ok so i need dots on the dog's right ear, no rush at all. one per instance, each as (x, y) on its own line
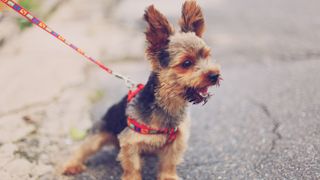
(158, 32)
(192, 19)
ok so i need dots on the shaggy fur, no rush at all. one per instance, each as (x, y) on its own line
(181, 73)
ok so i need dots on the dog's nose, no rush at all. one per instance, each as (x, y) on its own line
(213, 78)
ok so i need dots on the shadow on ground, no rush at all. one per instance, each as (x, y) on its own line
(105, 166)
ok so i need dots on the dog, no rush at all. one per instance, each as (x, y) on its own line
(154, 118)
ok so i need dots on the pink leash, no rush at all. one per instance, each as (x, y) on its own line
(26, 14)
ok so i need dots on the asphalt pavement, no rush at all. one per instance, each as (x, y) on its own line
(262, 123)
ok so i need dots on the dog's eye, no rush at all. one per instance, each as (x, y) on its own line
(187, 63)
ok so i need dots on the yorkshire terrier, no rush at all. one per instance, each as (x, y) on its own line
(154, 118)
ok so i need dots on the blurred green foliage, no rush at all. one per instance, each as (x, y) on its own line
(96, 96)
(77, 134)
(30, 5)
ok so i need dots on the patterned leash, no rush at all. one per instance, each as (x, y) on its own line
(26, 14)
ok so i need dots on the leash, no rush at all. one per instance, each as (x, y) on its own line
(34, 20)
(132, 124)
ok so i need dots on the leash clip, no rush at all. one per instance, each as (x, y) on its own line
(129, 83)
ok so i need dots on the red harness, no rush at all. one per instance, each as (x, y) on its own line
(144, 129)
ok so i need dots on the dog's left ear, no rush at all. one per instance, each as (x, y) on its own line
(192, 19)
(158, 32)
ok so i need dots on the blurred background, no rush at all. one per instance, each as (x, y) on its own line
(262, 123)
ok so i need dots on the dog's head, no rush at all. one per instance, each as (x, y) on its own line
(181, 59)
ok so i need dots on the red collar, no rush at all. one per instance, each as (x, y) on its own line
(144, 129)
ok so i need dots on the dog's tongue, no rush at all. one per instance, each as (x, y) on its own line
(203, 91)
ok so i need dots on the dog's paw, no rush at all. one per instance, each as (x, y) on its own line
(168, 177)
(134, 176)
(73, 168)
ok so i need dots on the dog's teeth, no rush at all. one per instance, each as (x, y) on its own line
(203, 94)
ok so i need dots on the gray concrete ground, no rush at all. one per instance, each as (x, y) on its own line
(262, 123)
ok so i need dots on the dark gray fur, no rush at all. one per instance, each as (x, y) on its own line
(164, 57)
(145, 101)
(146, 104)
(115, 119)
(140, 108)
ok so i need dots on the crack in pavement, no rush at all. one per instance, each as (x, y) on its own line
(275, 130)
(2, 41)
(53, 9)
(302, 56)
(275, 123)
(47, 102)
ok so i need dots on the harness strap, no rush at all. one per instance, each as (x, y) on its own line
(144, 129)
(133, 93)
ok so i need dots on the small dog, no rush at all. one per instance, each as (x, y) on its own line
(154, 119)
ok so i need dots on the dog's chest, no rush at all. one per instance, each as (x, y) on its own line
(146, 142)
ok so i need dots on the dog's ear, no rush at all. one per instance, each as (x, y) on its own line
(192, 19)
(158, 32)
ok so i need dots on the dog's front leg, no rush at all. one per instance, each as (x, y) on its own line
(172, 154)
(129, 157)
(169, 158)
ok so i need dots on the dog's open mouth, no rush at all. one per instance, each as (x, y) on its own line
(198, 95)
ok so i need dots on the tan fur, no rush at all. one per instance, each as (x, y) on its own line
(172, 155)
(192, 19)
(170, 89)
(184, 46)
(132, 144)
(204, 53)
(91, 145)
(129, 157)
(186, 43)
